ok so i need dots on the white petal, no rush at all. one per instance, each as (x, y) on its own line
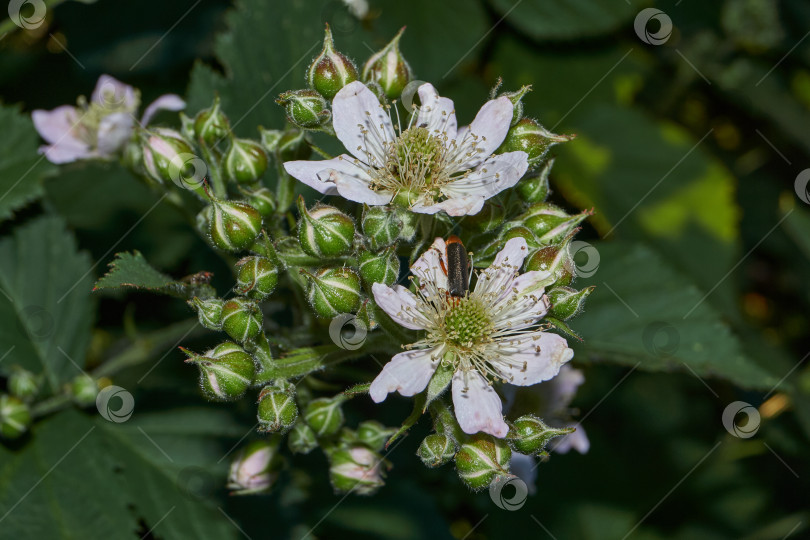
(322, 175)
(354, 187)
(436, 114)
(531, 358)
(166, 102)
(477, 406)
(502, 272)
(428, 267)
(497, 173)
(361, 123)
(577, 440)
(522, 303)
(401, 305)
(457, 206)
(408, 373)
(114, 131)
(111, 93)
(66, 151)
(56, 125)
(486, 132)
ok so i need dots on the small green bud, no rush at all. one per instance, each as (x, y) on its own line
(382, 267)
(83, 390)
(389, 69)
(567, 302)
(241, 319)
(436, 450)
(252, 470)
(331, 70)
(257, 277)
(529, 435)
(202, 221)
(490, 217)
(517, 102)
(293, 145)
(245, 162)
(381, 225)
(209, 311)
(530, 137)
(211, 125)
(554, 259)
(324, 231)
(305, 108)
(270, 139)
(264, 247)
(535, 189)
(277, 410)
(365, 317)
(480, 459)
(15, 417)
(234, 225)
(324, 415)
(301, 439)
(168, 157)
(262, 199)
(550, 223)
(23, 384)
(226, 371)
(332, 291)
(520, 232)
(373, 434)
(356, 469)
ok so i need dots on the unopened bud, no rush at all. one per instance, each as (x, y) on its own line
(381, 225)
(83, 390)
(553, 259)
(535, 189)
(262, 199)
(331, 70)
(324, 231)
(530, 435)
(293, 145)
(520, 232)
(245, 162)
(488, 219)
(530, 137)
(332, 291)
(382, 267)
(567, 302)
(168, 157)
(373, 434)
(252, 470)
(241, 319)
(306, 109)
(226, 371)
(15, 417)
(357, 470)
(550, 223)
(389, 68)
(277, 410)
(436, 450)
(23, 384)
(324, 415)
(517, 102)
(211, 125)
(480, 459)
(209, 312)
(301, 439)
(257, 277)
(234, 225)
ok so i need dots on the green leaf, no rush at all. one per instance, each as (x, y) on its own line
(21, 169)
(644, 313)
(130, 270)
(45, 301)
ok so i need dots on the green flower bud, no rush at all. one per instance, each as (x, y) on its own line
(252, 470)
(517, 102)
(226, 371)
(373, 434)
(277, 410)
(270, 139)
(356, 469)
(389, 69)
(241, 319)
(567, 302)
(209, 311)
(436, 450)
(293, 146)
(550, 223)
(332, 291)
(211, 125)
(490, 217)
(168, 157)
(257, 277)
(530, 137)
(83, 390)
(23, 384)
(15, 417)
(535, 188)
(234, 225)
(325, 415)
(553, 259)
(301, 439)
(529, 435)
(264, 247)
(381, 225)
(305, 108)
(364, 315)
(481, 459)
(324, 231)
(331, 70)
(245, 162)
(520, 232)
(382, 267)
(262, 199)
(202, 221)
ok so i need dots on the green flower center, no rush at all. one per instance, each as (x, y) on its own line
(467, 322)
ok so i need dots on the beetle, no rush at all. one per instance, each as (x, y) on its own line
(458, 267)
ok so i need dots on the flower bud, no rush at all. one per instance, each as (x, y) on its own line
(332, 291)
(535, 189)
(490, 217)
(567, 302)
(252, 470)
(331, 70)
(436, 450)
(270, 139)
(529, 435)
(83, 390)
(530, 137)
(480, 459)
(168, 157)
(277, 410)
(209, 311)
(202, 221)
(15, 417)
(389, 69)
(257, 277)
(262, 199)
(305, 108)
(245, 161)
(324, 231)
(382, 267)
(241, 319)
(226, 371)
(234, 225)
(381, 225)
(554, 259)
(365, 315)
(373, 434)
(211, 125)
(520, 232)
(550, 223)
(23, 384)
(324, 415)
(293, 145)
(517, 102)
(357, 470)
(301, 439)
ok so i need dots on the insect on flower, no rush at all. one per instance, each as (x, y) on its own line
(457, 269)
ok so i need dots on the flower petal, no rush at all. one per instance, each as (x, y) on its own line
(428, 267)
(456, 206)
(401, 305)
(66, 151)
(436, 114)
(477, 406)
(114, 131)
(361, 123)
(486, 132)
(531, 358)
(322, 175)
(56, 125)
(166, 102)
(497, 173)
(112, 94)
(354, 187)
(503, 271)
(408, 373)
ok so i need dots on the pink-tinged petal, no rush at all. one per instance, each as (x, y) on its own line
(401, 305)
(111, 94)
(502, 272)
(486, 132)
(321, 175)
(66, 151)
(354, 187)
(532, 358)
(436, 114)
(114, 131)
(477, 405)
(166, 102)
(497, 173)
(361, 123)
(428, 267)
(56, 125)
(577, 440)
(408, 373)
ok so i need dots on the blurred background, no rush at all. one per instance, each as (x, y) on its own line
(692, 148)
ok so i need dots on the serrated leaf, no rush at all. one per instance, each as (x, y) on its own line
(131, 270)
(45, 302)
